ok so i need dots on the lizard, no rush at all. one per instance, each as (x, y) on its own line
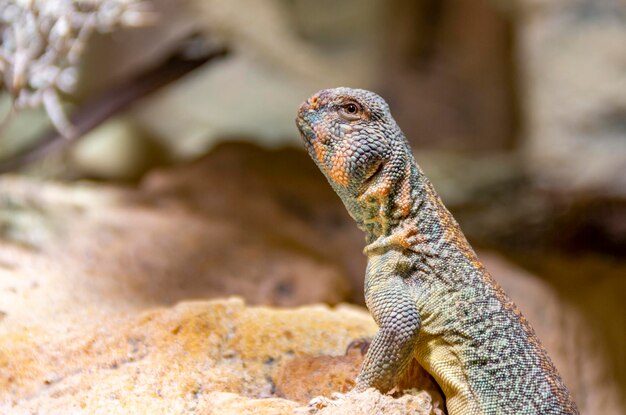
(424, 285)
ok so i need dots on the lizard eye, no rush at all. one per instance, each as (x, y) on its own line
(351, 111)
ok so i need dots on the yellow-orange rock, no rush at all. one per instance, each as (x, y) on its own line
(208, 356)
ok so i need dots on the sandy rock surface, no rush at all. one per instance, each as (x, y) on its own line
(209, 230)
(204, 357)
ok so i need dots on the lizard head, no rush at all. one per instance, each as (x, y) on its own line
(349, 133)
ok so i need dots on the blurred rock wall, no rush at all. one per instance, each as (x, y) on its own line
(572, 55)
(445, 67)
(448, 74)
(542, 76)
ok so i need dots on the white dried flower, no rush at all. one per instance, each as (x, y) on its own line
(41, 42)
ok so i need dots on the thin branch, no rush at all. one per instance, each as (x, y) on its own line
(97, 110)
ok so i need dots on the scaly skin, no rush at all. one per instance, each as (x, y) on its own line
(425, 287)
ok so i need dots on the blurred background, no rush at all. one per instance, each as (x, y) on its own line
(149, 155)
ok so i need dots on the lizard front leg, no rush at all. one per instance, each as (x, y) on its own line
(393, 308)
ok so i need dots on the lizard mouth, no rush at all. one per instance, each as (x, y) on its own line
(305, 130)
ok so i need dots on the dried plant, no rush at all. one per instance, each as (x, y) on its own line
(42, 42)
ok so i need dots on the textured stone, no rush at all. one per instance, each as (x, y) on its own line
(318, 375)
(572, 64)
(326, 375)
(209, 357)
(372, 402)
(447, 73)
(77, 251)
(115, 150)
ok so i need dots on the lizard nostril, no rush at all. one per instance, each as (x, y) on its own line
(314, 101)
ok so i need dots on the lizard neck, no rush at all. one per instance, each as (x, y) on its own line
(406, 201)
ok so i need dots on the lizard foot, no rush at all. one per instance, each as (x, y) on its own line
(409, 236)
(406, 236)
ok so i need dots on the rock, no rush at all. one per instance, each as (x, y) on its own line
(325, 375)
(21, 131)
(210, 230)
(135, 50)
(208, 357)
(281, 53)
(192, 115)
(572, 60)
(319, 375)
(116, 150)
(447, 73)
(372, 402)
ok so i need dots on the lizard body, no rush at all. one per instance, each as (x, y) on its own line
(425, 287)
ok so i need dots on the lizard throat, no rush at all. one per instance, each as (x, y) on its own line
(406, 214)
(386, 203)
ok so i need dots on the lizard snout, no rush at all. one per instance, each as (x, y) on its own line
(310, 105)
